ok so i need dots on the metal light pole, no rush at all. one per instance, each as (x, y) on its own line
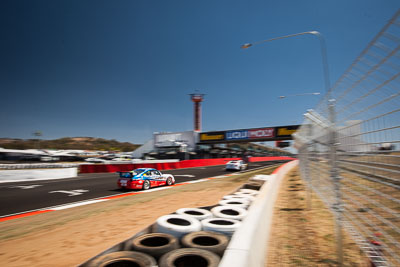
(332, 130)
(285, 96)
(323, 51)
(37, 134)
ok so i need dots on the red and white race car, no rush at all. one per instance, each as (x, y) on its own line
(144, 178)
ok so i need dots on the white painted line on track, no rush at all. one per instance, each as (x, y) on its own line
(197, 181)
(26, 186)
(154, 189)
(78, 204)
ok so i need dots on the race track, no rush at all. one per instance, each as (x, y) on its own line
(20, 197)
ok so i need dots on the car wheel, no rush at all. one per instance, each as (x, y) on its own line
(169, 181)
(146, 185)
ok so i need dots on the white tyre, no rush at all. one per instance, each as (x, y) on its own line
(249, 198)
(221, 225)
(229, 212)
(247, 190)
(238, 202)
(199, 214)
(239, 193)
(177, 225)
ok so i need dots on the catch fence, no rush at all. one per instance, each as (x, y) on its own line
(349, 149)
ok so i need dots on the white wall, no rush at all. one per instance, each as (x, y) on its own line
(249, 244)
(36, 174)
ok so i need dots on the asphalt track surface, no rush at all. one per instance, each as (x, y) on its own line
(19, 197)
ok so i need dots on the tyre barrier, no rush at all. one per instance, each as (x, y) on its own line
(177, 225)
(229, 212)
(238, 202)
(199, 214)
(124, 258)
(249, 191)
(246, 245)
(252, 185)
(155, 244)
(211, 241)
(250, 198)
(240, 193)
(190, 257)
(221, 225)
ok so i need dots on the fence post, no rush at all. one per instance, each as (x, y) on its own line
(336, 181)
(308, 148)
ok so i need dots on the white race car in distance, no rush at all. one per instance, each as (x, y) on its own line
(236, 165)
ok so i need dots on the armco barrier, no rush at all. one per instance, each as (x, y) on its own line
(99, 168)
(248, 246)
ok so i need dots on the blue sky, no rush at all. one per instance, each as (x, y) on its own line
(123, 69)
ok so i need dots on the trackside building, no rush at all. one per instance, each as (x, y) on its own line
(214, 144)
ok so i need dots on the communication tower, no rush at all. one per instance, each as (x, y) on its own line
(197, 99)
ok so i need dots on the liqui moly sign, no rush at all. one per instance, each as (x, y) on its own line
(262, 133)
(237, 135)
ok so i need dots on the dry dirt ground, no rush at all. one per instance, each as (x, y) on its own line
(305, 237)
(70, 237)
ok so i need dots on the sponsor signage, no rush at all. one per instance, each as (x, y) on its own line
(286, 131)
(262, 133)
(237, 135)
(250, 135)
(174, 139)
(212, 136)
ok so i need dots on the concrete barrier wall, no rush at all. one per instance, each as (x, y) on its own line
(248, 246)
(101, 168)
(257, 159)
(35, 174)
(37, 166)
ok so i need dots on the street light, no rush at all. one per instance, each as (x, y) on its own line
(333, 139)
(323, 51)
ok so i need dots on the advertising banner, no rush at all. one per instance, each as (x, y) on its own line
(237, 135)
(286, 131)
(212, 136)
(262, 133)
(249, 135)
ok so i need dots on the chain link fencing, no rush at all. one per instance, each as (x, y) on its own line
(349, 149)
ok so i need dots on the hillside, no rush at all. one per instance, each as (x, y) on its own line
(81, 143)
